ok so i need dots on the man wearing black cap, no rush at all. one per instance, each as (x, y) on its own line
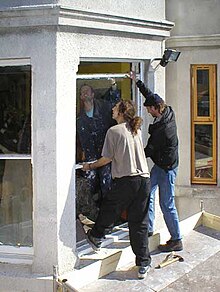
(162, 148)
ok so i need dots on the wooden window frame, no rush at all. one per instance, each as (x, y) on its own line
(205, 120)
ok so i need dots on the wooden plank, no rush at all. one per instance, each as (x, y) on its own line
(100, 255)
(83, 276)
(109, 264)
(154, 241)
(211, 221)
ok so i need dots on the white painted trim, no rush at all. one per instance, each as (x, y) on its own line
(194, 41)
(69, 12)
(16, 250)
(15, 156)
(47, 15)
(30, 7)
(100, 76)
(15, 62)
(74, 16)
(16, 255)
(110, 60)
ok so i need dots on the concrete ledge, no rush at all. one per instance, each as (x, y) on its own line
(22, 283)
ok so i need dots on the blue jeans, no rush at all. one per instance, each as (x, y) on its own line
(165, 180)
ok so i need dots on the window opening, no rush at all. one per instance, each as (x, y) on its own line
(204, 137)
(15, 156)
(105, 84)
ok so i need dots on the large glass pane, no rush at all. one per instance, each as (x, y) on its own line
(96, 96)
(203, 151)
(16, 202)
(95, 99)
(16, 173)
(203, 99)
(15, 109)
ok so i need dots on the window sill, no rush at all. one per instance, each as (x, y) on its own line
(16, 255)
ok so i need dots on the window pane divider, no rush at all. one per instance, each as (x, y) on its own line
(15, 156)
(101, 76)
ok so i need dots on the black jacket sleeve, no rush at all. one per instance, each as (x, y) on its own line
(143, 89)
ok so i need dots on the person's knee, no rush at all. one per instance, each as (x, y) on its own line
(167, 206)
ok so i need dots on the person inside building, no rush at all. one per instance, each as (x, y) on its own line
(112, 95)
(94, 120)
(162, 148)
(123, 147)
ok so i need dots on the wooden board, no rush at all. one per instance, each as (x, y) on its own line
(211, 221)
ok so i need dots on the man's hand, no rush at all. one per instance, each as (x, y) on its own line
(113, 83)
(132, 75)
(85, 167)
(112, 80)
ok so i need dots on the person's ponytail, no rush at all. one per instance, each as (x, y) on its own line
(127, 108)
(135, 124)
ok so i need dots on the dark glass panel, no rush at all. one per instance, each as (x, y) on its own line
(16, 202)
(203, 151)
(203, 97)
(15, 109)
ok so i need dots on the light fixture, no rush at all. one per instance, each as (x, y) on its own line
(168, 56)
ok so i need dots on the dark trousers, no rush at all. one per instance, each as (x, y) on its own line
(130, 193)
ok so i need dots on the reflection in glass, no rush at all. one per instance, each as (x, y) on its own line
(15, 109)
(92, 126)
(16, 203)
(15, 174)
(203, 151)
(203, 100)
(95, 99)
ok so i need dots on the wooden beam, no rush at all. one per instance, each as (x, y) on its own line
(211, 221)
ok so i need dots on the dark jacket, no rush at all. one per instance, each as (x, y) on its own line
(91, 131)
(162, 146)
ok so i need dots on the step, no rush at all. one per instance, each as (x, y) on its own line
(116, 256)
(201, 249)
(115, 253)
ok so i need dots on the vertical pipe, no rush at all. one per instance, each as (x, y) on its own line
(55, 278)
(201, 205)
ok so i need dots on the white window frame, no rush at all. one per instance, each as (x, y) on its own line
(16, 254)
(136, 93)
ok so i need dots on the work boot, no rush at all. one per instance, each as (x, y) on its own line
(95, 242)
(142, 272)
(171, 245)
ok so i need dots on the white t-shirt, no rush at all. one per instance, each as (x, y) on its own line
(126, 152)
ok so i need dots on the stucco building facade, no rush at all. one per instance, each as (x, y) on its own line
(43, 48)
(48, 49)
(196, 35)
